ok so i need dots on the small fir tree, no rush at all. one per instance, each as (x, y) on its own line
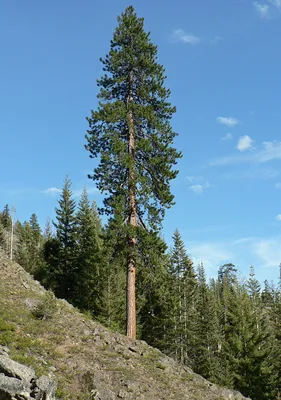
(64, 267)
(88, 288)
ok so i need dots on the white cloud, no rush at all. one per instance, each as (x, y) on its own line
(179, 35)
(194, 178)
(260, 252)
(268, 8)
(267, 152)
(211, 254)
(277, 185)
(245, 143)
(272, 151)
(262, 9)
(52, 191)
(198, 189)
(276, 3)
(278, 217)
(227, 136)
(76, 193)
(228, 121)
(268, 251)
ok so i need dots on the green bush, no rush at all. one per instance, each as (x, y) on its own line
(47, 308)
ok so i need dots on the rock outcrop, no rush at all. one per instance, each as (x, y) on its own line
(18, 382)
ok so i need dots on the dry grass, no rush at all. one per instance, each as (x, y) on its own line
(81, 354)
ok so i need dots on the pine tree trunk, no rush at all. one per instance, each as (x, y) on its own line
(131, 267)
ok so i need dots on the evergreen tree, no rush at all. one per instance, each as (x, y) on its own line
(48, 232)
(152, 290)
(225, 295)
(253, 285)
(275, 318)
(248, 345)
(267, 296)
(35, 228)
(88, 287)
(98, 224)
(2, 237)
(227, 274)
(5, 229)
(132, 135)
(53, 273)
(63, 261)
(113, 274)
(36, 243)
(23, 254)
(6, 219)
(208, 339)
(29, 248)
(183, 299)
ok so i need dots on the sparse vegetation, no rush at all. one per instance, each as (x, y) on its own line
(47, 307)
(55, 346)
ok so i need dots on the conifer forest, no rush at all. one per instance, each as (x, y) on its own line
(118, 268)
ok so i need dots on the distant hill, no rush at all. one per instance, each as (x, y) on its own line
(87, 360)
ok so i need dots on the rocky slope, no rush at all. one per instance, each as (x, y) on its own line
(20, 382)
(87, 360)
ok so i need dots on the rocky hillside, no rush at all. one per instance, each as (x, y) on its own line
(87, 360)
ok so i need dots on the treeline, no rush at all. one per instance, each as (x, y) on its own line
(227, 330)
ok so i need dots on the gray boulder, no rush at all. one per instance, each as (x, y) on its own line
(9, 387)
(18, 382)
(15, 370)
(47, 388)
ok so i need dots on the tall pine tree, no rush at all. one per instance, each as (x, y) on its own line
(131, 133)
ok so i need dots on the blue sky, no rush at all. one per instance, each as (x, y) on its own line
(223, 65)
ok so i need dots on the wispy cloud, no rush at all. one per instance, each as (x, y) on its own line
(268, 9)
(261, 252)
(245, 143)
(268, 251)
(262, 9)
(228, 121)
(211, 254)
(278, 217)
(52, 191)
(276, 3)
(277, 185)
(194, 178)
(179, 35)
(267, 152)
(227, 136)
(198, 188)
